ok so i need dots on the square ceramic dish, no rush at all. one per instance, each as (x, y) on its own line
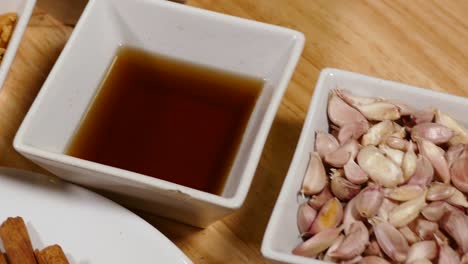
(174, 30)
(23, 8)
(281, 235)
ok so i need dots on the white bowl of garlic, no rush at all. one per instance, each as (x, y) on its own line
(380, 175)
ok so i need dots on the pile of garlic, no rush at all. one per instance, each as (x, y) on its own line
(387, 184)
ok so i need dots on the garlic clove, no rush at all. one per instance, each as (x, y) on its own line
(446, 254)
(439, 191)
(379, 111)
(436, 133)
(422, 116)
(420, 261)
(343, 154)
(422, 250)
(354, 260)
(408, 165)
(398, 131)
(406, 212)
(354, 173)
(333, 248)
(394, 155)
(329, 216)
(318, 243)
(377, 133)
(317, 201)
(459, 173)
(426, 229)
(305, 217)
(352, 131)
(369, 201)
(356, 100)
(343, 189)
(396, 143)
(455, 223)
(373, 249)
(435, 210)
(464, 259)
(325, 143)
(458, 199)
(385, 209)
(350, 215)
(436, 156)
(340, 113)
(391, 241)
(424, 172)
(460, 132)
(379, 168)
(373, 260)
(453, 153)
(315, 177)
(355, 242)
(404, 193)
(409, 234)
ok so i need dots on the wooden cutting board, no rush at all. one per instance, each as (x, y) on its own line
(419, 42)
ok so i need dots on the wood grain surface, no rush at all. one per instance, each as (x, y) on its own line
(418, 42)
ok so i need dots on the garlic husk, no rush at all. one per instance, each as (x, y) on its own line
(354, 173)
(404, 193)
(385, 209)
(455, 223)
(453, 153)
(406, 212)
(422, 250)
(460, 132)
(340, 113)
(325, 143)
(305, 217)
(394, 155)
(379, 168)
(340, 157)
(424, 172)
(408, 165)
(377, 133)
(329, 216)
(369, 201)
(343, 189)
(373, 260)
(318, 243)
(317, 201)
(355, 242)
(458, 199)
(352, 131)
(459, 173)
(426, 229)
(391, 241)
(436, 156)
(315, 178)
(446, 254)
(439, 191)
(436, 133)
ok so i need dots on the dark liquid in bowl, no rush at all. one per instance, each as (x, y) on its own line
(167, 119)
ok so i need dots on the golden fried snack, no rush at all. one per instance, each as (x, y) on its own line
(2, 258)
(16, 241)
(51, 255)
(7, 25)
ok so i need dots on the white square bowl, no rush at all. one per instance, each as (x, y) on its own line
(194, 35)
(24, 9)
(281, 235)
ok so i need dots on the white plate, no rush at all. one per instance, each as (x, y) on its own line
(90, 228)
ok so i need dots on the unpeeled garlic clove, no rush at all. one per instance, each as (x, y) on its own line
(379, 111)
(315, 178)
(397, 143)
(436, 133)
(394, 155)
(352, 131)
(391, 241)
(373, 249)
(305, 217)
(377, 133)
(406, 212)
(439, 191)
(458, 199)
(446, 254)
(435, 210)
(379, 168)
(437, 158)
(354, 173)
(350, 215)
(356, 100)
(317, 201)
(385, 209)
(455, 223)
(424, 172)
(325, 143)
(340, 157)
(354, 243)
(333, 248)
(422, 250)
(343, 189)
(373, 260)
(408, 165)
(369, 201)
(459, 173)
(404, 193)
(409, 234)
(340, 113)
(460, 132)
(426, 229)
(318, 243)
(453, 153)
(422, 116)
(329, 216)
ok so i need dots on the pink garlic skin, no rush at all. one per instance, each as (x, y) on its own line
(464, 259)
(354, 173)
(373, 249)
(397, 143)
(385, 209)
(340, 113)
(333, 248)
(422, 250)
(317, 201)
(446, 254)
(455, 223)
(329, 216)
(426, 229)
(305, 217)
(453, 153)
(318, 243)
(391, 241)
(355, 242)
(439, 191)
(404, 192)
(340, 157)
(436, 210)
(459, 173)
(325, 143)
(422, 116)
(350, 215)
(343, 189)
(410, 236)
(369, 201)
(373, 260)
(352, 131)
(433, 132)
(424, 172)
(315, 178)
(436, 156)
